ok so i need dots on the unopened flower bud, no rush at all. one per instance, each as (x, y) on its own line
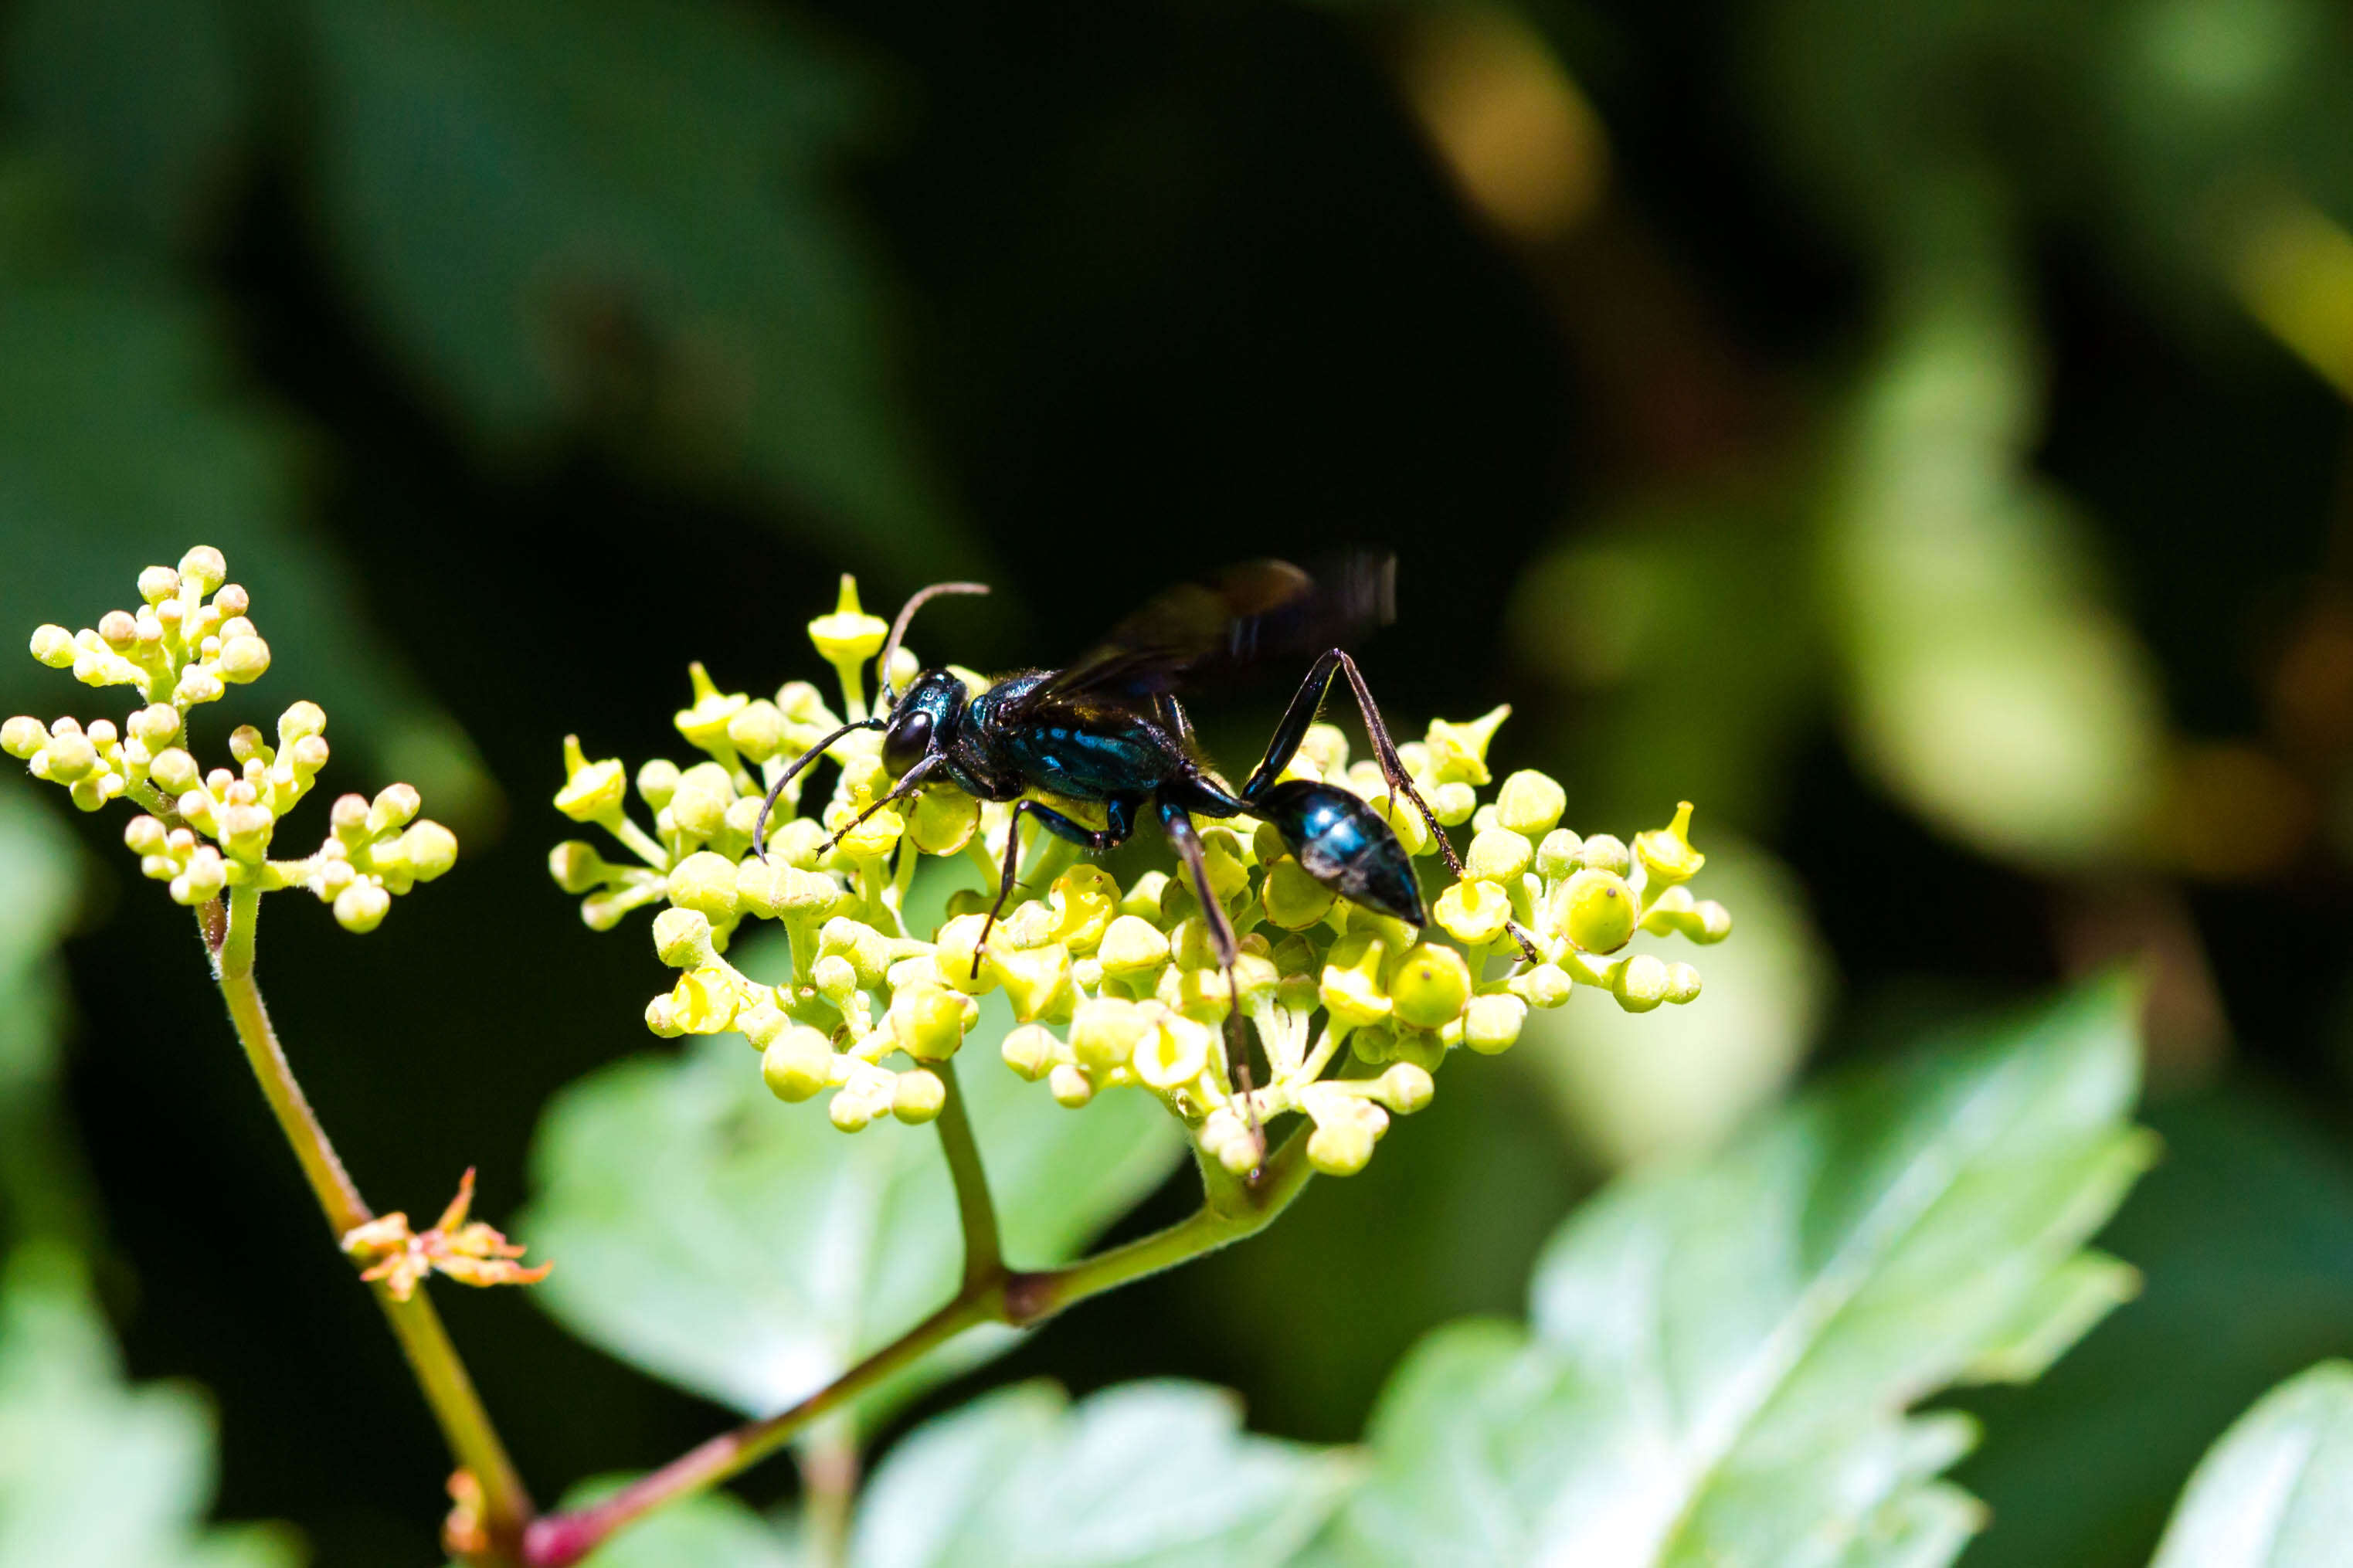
(705, 723)
(1545, 986)
(1431, 986)
(591, 790)
(71, 757)
(244, 659)
(1406, 1088)
(796, 1064)
(144, 836)
(157, 583)
(53, 646)
(1603, 852)
(118, 630)
(1641, 982)
(1499, 855)
(22, 736)
(918, 1096)
(757, 732)
(657, 782)
(1070, 1085)
(1131, 945)
(1037, 980)
(1294, 900)
(942, 821)
(1597, 908)
(430, 849)
(362, 907)
(699, 805)
(204, 567)
(706, 882)
(683, 938)
(1029, 1050)
(928, 1022)
(1104, 1032)
(174, 772)
(1351, 983)
(1683, 983)
(1492, 1022)
(1341, 1148)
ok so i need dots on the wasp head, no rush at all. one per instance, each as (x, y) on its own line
(924, 722)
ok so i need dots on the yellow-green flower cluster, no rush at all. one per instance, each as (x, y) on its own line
(206, 831)
(1110, 986)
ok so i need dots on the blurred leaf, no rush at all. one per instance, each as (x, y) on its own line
(1152, 1475)
(2244, 1236)
(1990, 686)
(2277, 1490)
(123, 443)
(616, 212)
(1723, 1353)
(749, 1251)
(40, 1190)
(1683, 1077)
(1691, 621)
(145, 100)
(94, 1474)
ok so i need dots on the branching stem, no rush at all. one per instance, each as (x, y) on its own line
(1232, 1207)
(440, 1375)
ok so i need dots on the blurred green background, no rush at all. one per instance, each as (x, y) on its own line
(1916, 432)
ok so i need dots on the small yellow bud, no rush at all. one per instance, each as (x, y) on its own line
(1294, 900)
(70, 757)
(1070, 1085)
(868, 949)
(706, 882)
(927, 1019)
(796, 1064)
(430, 848)
(761, 1021)
(157, 583)
(1597, 908)
(1641, 982)
(698, 806)
(205, 567)
(1666, 853)
(1546, 986)
(360, 907)
(1499, 855)
(683, 938)
(1559, 855)
(1029, 1050)
(1104, 1032)
(657, 782)
(1131, 945)
(757, 732)
(1412, 832)
(22, 736)
(1531, 802)
(244, 659)
(174, 772)
(1431, 986)
(1473, 913)
(918, 1097)
(1492, 1022)
(1406, 1088)
(943, 820)
(1683, 983)
(1605, 852)
(956, 942)
(53, 646)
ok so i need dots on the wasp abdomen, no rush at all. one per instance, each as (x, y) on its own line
(1344, 844)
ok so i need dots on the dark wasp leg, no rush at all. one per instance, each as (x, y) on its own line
(1293, 729)
(1119, 821)
(1177, 823)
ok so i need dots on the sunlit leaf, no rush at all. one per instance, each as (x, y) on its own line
(1676, 1079)
(1724, 1354)
(1143, 1475)
(2277, 1490)
(95, 1474)
(1989, 685)
(746, 1249)
(613, 213)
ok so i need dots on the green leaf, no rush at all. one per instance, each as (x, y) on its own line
(94, 1474)
(1143, 1475)
(614, 212)
(2277, 1490)
(41, 1188)
(747, 1250)
(1723, 1354)
(1991, 686)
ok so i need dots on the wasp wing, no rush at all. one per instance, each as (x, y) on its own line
(1245, 616)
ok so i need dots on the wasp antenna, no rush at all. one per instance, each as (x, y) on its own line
(917, 601)
(768, 804)
(909, 783)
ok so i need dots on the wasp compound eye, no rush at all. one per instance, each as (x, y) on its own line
(907, 741)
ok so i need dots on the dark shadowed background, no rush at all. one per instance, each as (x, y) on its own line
(1915, 432)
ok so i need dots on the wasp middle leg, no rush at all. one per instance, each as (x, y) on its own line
(1119, 821)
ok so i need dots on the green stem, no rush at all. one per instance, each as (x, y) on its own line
(827, 1455)
(984, 1253)
(1232, 1207)
(441, 1376)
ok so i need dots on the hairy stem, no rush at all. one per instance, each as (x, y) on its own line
(1232, 1207)
(440, 1375)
